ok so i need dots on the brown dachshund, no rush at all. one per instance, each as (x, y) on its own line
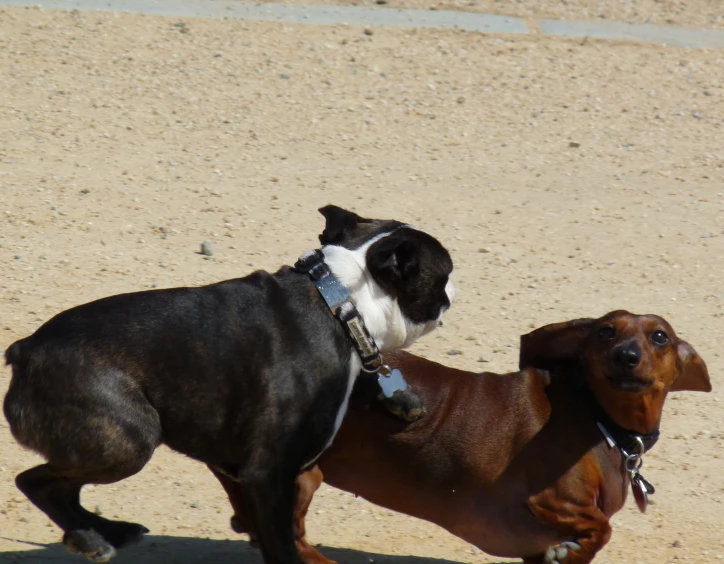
(530, 464)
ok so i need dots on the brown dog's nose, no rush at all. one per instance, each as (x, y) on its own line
(628, 355)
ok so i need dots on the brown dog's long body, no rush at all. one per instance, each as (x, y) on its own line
(516, 463)
(488, 443)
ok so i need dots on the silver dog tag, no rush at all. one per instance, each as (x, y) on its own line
(640, 491)
(392, 383)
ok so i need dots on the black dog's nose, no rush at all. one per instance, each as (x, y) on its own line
(628, 355)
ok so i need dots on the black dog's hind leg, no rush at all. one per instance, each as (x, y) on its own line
(119, 448)
(58, 495)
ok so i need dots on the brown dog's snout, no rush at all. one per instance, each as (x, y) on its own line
(627, 355)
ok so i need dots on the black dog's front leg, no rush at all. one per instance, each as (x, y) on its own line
(270, 503)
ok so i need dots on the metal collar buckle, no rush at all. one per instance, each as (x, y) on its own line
(339, 301)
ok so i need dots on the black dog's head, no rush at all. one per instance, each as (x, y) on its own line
(411, 271)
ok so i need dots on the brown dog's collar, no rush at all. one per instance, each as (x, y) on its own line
(615, 434)
(626, 439)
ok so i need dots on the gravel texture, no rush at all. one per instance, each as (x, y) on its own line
(567, 177)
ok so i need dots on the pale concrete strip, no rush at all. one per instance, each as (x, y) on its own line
(294, 13)
(668, 35)
(373, 17)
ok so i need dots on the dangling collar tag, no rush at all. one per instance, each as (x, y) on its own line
(633, 461)
(339, 300)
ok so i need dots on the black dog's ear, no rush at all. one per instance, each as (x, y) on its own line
(554, 345)
(393, 259)
(693, 375)
(339, 221)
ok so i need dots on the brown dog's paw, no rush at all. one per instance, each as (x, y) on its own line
(90, 544)
(557, 554)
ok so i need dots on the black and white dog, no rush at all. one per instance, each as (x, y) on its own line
(250, 376)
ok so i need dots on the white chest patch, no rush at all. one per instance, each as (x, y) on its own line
(380, 312)
(354, 369)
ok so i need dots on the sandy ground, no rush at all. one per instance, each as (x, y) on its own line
(689, 13)
(568, 178)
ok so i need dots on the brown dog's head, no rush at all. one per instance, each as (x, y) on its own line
(630, 363)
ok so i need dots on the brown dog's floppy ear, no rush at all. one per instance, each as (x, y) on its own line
(693, 375)
(554, 345)
(338, 222)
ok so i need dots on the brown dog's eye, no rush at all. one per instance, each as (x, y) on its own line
(659, 338)
(606, 333)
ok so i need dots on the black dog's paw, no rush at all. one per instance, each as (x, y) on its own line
(405, 404)
(236, 525)
(121, 534)
(90, 544)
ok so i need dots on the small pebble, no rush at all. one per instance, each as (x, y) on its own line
(574, 145)
(207, 249)
(368, 31)
(454, 352)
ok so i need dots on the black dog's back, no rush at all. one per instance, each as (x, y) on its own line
(185, 355)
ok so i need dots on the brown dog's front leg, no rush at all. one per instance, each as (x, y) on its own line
(307, 484)
(583, 524)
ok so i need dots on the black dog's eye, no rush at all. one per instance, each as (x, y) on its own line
(606, 333)
(659, 338)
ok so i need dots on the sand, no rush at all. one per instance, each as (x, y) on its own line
(568, 178)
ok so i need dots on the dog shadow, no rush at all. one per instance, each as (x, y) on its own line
(183, 550)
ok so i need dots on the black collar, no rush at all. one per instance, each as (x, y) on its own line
(340, 303)
(625, 439)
